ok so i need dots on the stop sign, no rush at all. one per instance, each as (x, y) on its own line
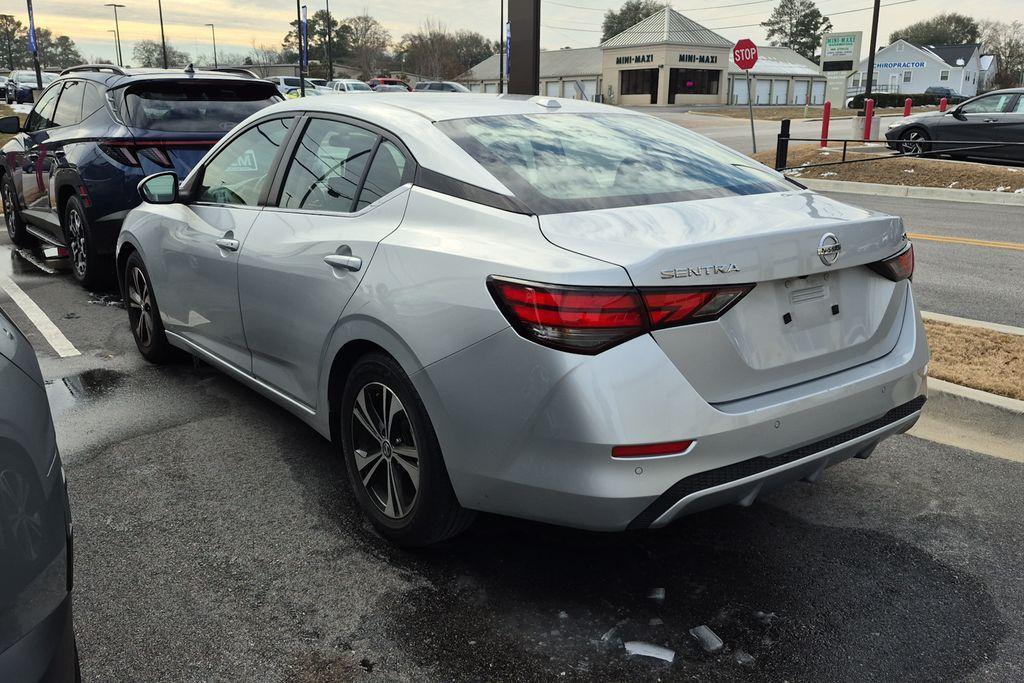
(745, 54)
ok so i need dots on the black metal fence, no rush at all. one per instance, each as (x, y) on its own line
(903, 148)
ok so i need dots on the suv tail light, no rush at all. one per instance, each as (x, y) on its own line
(127, 152)
(898, 267)
(592, 319)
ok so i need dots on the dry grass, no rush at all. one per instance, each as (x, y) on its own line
(977, 358)
(900, 171)
(764, 113)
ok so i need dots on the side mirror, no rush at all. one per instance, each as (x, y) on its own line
(159, 188)
(959, 115)
(10, 125)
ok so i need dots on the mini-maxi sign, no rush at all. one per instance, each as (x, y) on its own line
(745, 54)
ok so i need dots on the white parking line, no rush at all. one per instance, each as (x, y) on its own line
(54, 337)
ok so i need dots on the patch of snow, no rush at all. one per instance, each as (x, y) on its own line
(909, 170)
(707, 638)
(1001, 188)
(954, 183)
(1019, 190)
(828, 174)
(21, 108)
(656, 622)
(638, 647)
(743, 659)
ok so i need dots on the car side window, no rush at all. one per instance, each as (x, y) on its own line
(327, 167)
(69, 106)
(41, 117)
(240, 171)
(993, 104)
(386, 173)
(1019, 109)
(92, 99)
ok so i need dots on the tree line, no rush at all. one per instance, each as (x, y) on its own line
(56, 52)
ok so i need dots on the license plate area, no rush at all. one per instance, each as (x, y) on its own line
(809, 302)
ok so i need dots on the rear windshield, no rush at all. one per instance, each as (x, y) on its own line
(559, 162)
(358, 86)
(196, 106)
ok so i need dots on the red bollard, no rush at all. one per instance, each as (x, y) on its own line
(943, 103)
(907, 104)
(869, 112)
(826, 114)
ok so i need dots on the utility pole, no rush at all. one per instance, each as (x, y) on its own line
(117, 31)
(32, 46)
(871, 50)
(524, 76)
(214, 31)
(330, 30)
(501, 47)
(163, 41)
(298, 34)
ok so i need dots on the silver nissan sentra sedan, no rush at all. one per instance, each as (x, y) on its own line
(544, 308)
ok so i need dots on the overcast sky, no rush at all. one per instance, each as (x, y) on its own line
(241, 22)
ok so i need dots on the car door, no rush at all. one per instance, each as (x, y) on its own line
(32, 173)
(345, 189)
(976, 123)
(199, 250)
(1010, 128)
(66, 117)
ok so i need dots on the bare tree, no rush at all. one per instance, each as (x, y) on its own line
(1006, 41)
(369, 41)
(262, 57)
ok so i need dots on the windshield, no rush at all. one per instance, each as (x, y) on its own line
(576, 162)
(358, 86)
(196, 106)
(30, 77)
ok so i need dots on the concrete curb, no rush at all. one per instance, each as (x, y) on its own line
(914, 192)
(973, 419)
(967, 322)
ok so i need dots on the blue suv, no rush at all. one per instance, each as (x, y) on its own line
(69, 175)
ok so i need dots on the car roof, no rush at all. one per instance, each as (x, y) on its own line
(113, 79)
(412, 119)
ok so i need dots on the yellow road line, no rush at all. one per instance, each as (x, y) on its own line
(966, 240)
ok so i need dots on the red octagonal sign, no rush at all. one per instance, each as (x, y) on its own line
(745, 54)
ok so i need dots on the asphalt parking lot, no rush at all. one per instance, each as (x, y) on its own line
(216, 539)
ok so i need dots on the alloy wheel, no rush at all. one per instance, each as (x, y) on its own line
(386, 457)
(76, 243)
(9, 209)
(140, 307)
(25, 525)
(914, 142)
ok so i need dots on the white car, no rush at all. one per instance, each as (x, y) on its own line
(287, 84)
(344, 85)
(551, 309)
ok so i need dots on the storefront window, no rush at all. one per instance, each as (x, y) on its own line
(639, 82)
(695, 81)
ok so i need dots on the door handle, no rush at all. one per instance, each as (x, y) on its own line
(989, 120)
(228, 244)
(352, 263)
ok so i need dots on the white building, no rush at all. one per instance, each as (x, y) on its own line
(666, 59)
(910, 69)
(989, 69)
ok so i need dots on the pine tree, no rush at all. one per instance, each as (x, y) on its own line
(797, 24)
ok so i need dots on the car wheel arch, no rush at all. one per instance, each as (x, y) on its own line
(341, 367)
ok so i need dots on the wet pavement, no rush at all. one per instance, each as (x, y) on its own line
(216, 538)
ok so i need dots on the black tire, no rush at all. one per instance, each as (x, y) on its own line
(406, 514)
(16, 229)
(915, 141)
(144, 313)
(90, 269)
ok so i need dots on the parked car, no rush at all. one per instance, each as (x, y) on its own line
(37, 640)
(974, 128)
(440, 86)
(348, 85)
(557, 311)
(19, 86)
(952, 96)
(382, 80)
(100, 129)
(390, 88)
(286, 83)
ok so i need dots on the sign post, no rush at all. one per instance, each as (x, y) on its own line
(744, 54)
(33, 47)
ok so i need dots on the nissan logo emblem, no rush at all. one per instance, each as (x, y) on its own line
(829, 248)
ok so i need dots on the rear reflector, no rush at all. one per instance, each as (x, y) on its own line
(898, 267)
(650, 449)
(592, 319)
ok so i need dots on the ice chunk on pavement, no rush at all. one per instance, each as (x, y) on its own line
(657, 594)
(656, 622)
(765, 618)
(638, 647)
(707, 638)
(563, 615)
(743, 659)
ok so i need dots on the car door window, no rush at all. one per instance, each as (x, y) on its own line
(992, 104)
(1019, 109)
(92, 99)
(386, 173)
(327, 167)
(239, 173)
(69, 105)
(41, 117)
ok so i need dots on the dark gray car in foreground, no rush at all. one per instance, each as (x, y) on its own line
(972, 129)
(37, 641)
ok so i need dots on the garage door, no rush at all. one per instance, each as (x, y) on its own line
(818, 92)
(474, 87)
(491, 87)
(739, 91)
(780, 93)
(553, 89)
(800, 91)
(590, 88)
(763, 92)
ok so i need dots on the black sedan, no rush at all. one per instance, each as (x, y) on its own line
(975, 128)
(20, 84)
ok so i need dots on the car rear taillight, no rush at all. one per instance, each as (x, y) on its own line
(592, 319)
(898, 267)
(127, 152)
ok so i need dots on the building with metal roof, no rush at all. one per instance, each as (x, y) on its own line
(666, 59)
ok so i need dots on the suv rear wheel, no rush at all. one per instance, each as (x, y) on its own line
(16, 229)
(86, 264)
(393, 458)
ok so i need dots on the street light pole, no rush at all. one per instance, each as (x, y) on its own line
(163, 41)
(117, 32)
(501, 47)
(214, 31)
(330, 61)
